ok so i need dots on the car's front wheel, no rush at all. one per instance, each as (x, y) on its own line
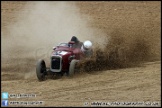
(41, 70)
(72, 67)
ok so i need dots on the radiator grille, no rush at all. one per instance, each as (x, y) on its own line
(55, 63)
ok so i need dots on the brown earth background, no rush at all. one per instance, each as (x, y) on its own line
(130, 30)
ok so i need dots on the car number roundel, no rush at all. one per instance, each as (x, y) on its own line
(62, 52)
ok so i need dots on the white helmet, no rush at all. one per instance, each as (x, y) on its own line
(86, 45)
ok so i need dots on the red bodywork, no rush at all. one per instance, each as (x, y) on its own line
(65, 52)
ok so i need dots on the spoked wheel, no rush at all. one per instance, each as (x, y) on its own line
(41, 70)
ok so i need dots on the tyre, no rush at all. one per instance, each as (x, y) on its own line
(72, 68)
(41, 70)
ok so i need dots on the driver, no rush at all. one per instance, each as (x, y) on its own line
(77, 44)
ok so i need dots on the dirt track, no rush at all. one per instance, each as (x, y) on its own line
(124, 85)
(131, 84)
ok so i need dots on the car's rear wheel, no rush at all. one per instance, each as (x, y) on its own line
(72, 67)
(41, 70)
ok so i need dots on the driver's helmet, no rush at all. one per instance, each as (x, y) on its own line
(87, 45)
(75, 39)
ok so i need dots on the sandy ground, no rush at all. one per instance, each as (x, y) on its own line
(112, 87)
(139, 84)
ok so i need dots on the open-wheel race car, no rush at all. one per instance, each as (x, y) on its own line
(63, 59)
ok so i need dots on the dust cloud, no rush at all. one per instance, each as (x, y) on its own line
(129, 46)
(37, 30)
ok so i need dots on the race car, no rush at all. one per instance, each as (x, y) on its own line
(64, 58)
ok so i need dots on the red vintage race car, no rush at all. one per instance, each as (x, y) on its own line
(63, 59)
